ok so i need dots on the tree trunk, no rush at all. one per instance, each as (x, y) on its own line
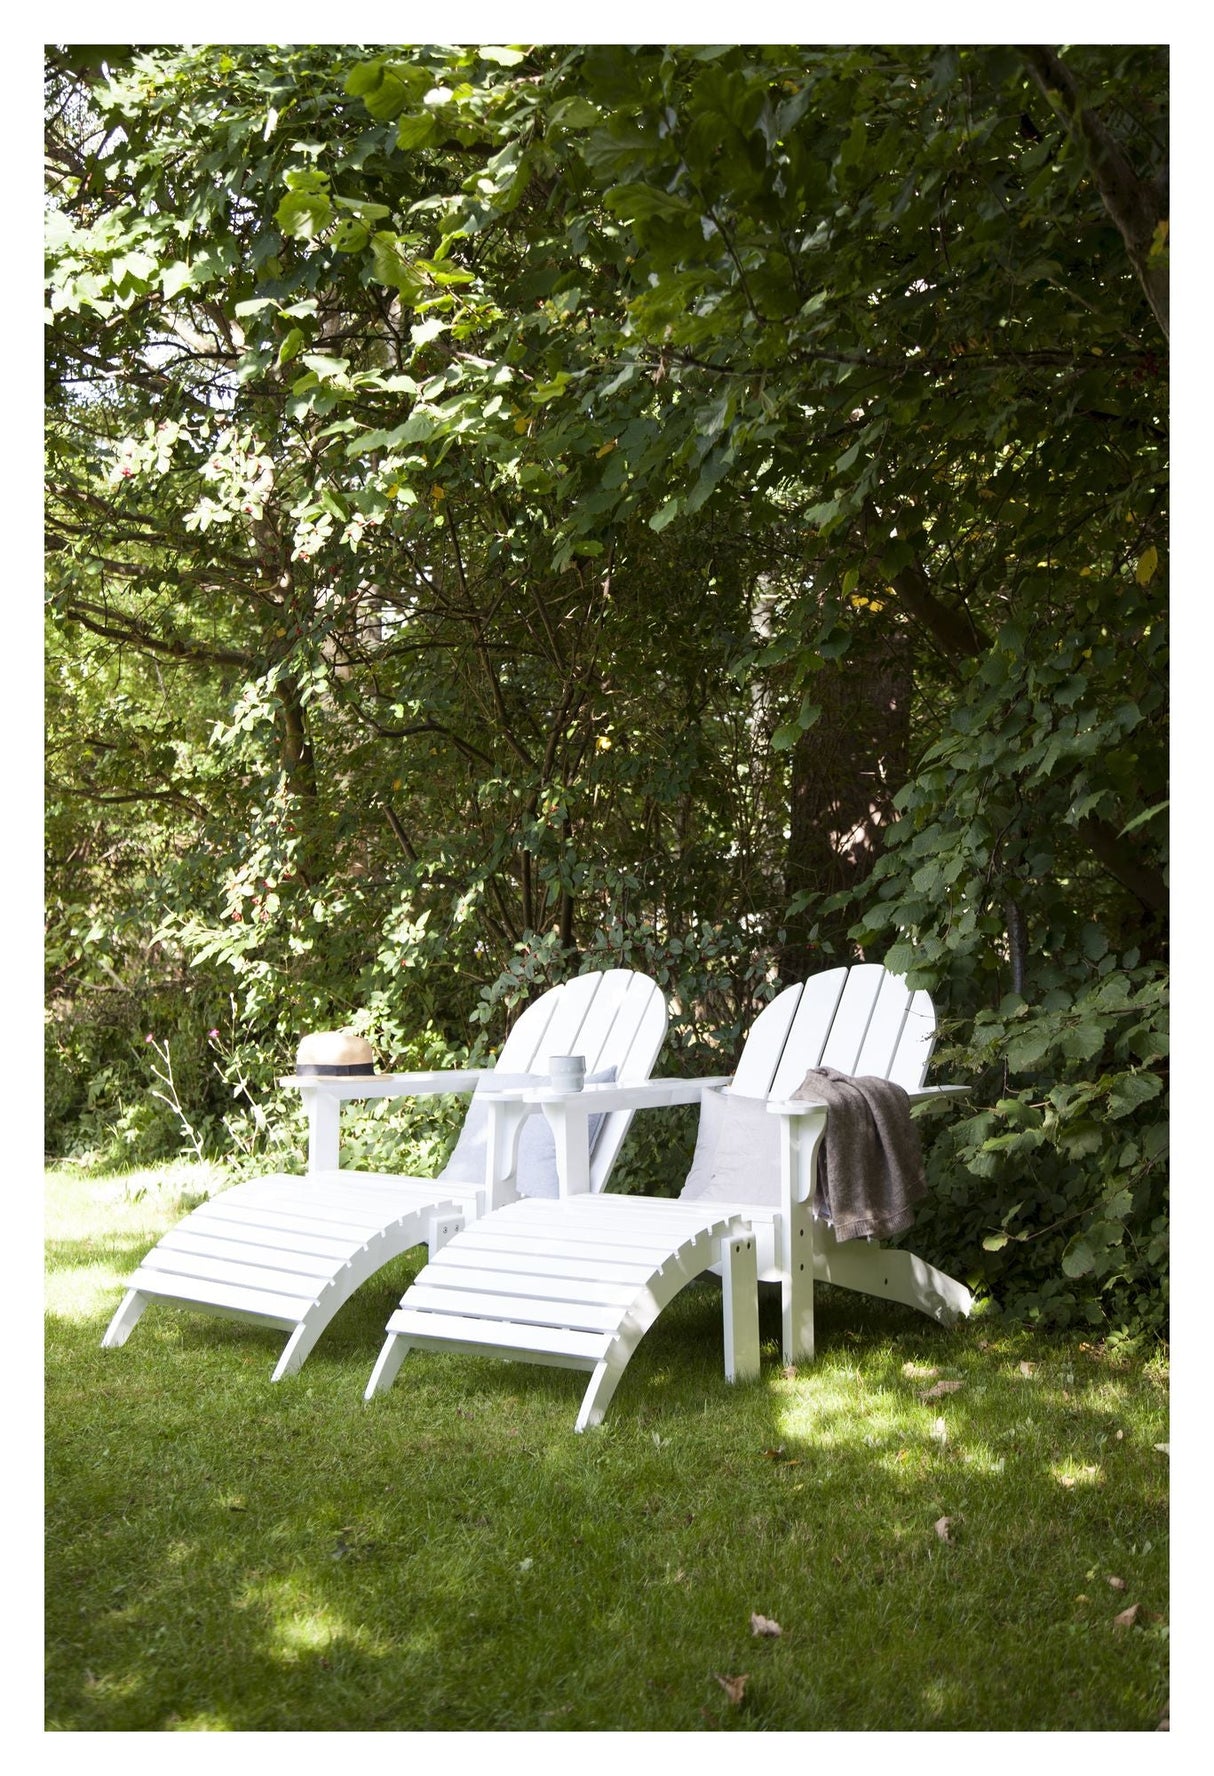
(845, 771)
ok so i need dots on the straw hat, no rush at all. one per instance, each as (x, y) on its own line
(333, 1054)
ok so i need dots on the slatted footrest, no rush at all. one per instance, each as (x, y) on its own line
(575, 1283)
(286, 1251)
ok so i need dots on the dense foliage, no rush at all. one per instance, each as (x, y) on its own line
(514, 510)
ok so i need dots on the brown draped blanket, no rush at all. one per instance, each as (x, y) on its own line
(870, 1164)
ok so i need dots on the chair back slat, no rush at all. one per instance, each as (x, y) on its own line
(885, 1028)
(765, 1044)
(609, 1021)
(853, 1016)
(909, 1065)
(528, 1035)
(573, 1001)
(810, 1030)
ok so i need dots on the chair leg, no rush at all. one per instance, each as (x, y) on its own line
(300, 1343)
(603, 1383)
(390, 1358)
(121, 1326)
(740, 1306)
(893, 1275)
(797, 1290)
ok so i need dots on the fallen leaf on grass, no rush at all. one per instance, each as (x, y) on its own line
(776, 1454)
(1128, 1617)
(940, 1388)
(940, 1431)
(734, 1687)
(919, 1371)
(1028, 1368)
(1116, 1583)
(942, 1527)
(764, 1625)
(1163, 1448)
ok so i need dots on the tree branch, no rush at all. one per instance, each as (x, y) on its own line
(1137, 206)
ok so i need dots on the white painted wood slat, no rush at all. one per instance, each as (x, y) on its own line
(184, 1244)
(855, 1010)
(809, 1030)
(162, 1262)
(560, 1244)
(273, 1235)
(274, 1306)
(569, 1349)
(582, 1316)
(918, 1039)
(540, 1262)
(885, 1027)
(505, 1282)
(765, 1044)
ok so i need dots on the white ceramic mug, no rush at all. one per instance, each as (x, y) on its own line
(567, 1071)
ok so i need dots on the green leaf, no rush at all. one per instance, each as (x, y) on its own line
(425, 331)
(637, 203)
(1141, 819)
(392, 264)
(416, 131)
(302, 214)
(360, 207)
(176, 277)
(1131, 1091)
(291, 346)
(350, 235)
(1078, 1259)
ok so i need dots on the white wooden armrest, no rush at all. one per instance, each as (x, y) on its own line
(390, 1085)
(324, 1097)
(925, 1095)
(646, 1094)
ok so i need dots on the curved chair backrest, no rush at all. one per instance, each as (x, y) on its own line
(860, 1020)
(616, 1018)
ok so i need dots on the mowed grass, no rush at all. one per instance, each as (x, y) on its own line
(945, 1525)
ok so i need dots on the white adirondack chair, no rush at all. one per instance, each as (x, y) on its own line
(287, 1251)
(578, 1281)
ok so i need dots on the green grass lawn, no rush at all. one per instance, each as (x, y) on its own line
(945, 1525)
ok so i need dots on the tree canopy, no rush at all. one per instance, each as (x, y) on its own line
(517, 508)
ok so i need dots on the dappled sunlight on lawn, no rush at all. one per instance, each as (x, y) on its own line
(297, 1627)
(86, 1292)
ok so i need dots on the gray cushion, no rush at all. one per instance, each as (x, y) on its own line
(536, 1152)
(737, 1156)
